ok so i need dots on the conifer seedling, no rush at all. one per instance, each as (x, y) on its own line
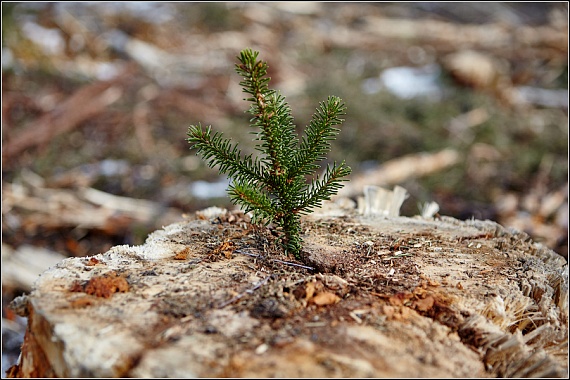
(273, 186)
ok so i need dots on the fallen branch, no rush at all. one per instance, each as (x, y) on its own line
(398, 170)
(21, 266)
(84, 104)
(33, 204)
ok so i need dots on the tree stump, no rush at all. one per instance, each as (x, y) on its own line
(213, 296)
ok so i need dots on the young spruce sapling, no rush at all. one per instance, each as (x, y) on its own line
(273, 186)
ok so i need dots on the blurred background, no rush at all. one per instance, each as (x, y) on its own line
(463, 104)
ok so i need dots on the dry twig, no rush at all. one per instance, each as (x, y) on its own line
(248, 291)
(276, 260)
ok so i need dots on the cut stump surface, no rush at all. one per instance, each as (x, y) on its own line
(397, 297)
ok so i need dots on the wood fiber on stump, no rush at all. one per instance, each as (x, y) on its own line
(390, 297)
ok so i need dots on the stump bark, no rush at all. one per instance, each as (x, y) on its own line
(212, 296)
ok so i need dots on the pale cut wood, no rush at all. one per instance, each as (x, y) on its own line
(21, 266)
(391, 297)
(400, 169)
(81, 207)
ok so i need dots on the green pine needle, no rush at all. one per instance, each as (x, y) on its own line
(273, 186)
